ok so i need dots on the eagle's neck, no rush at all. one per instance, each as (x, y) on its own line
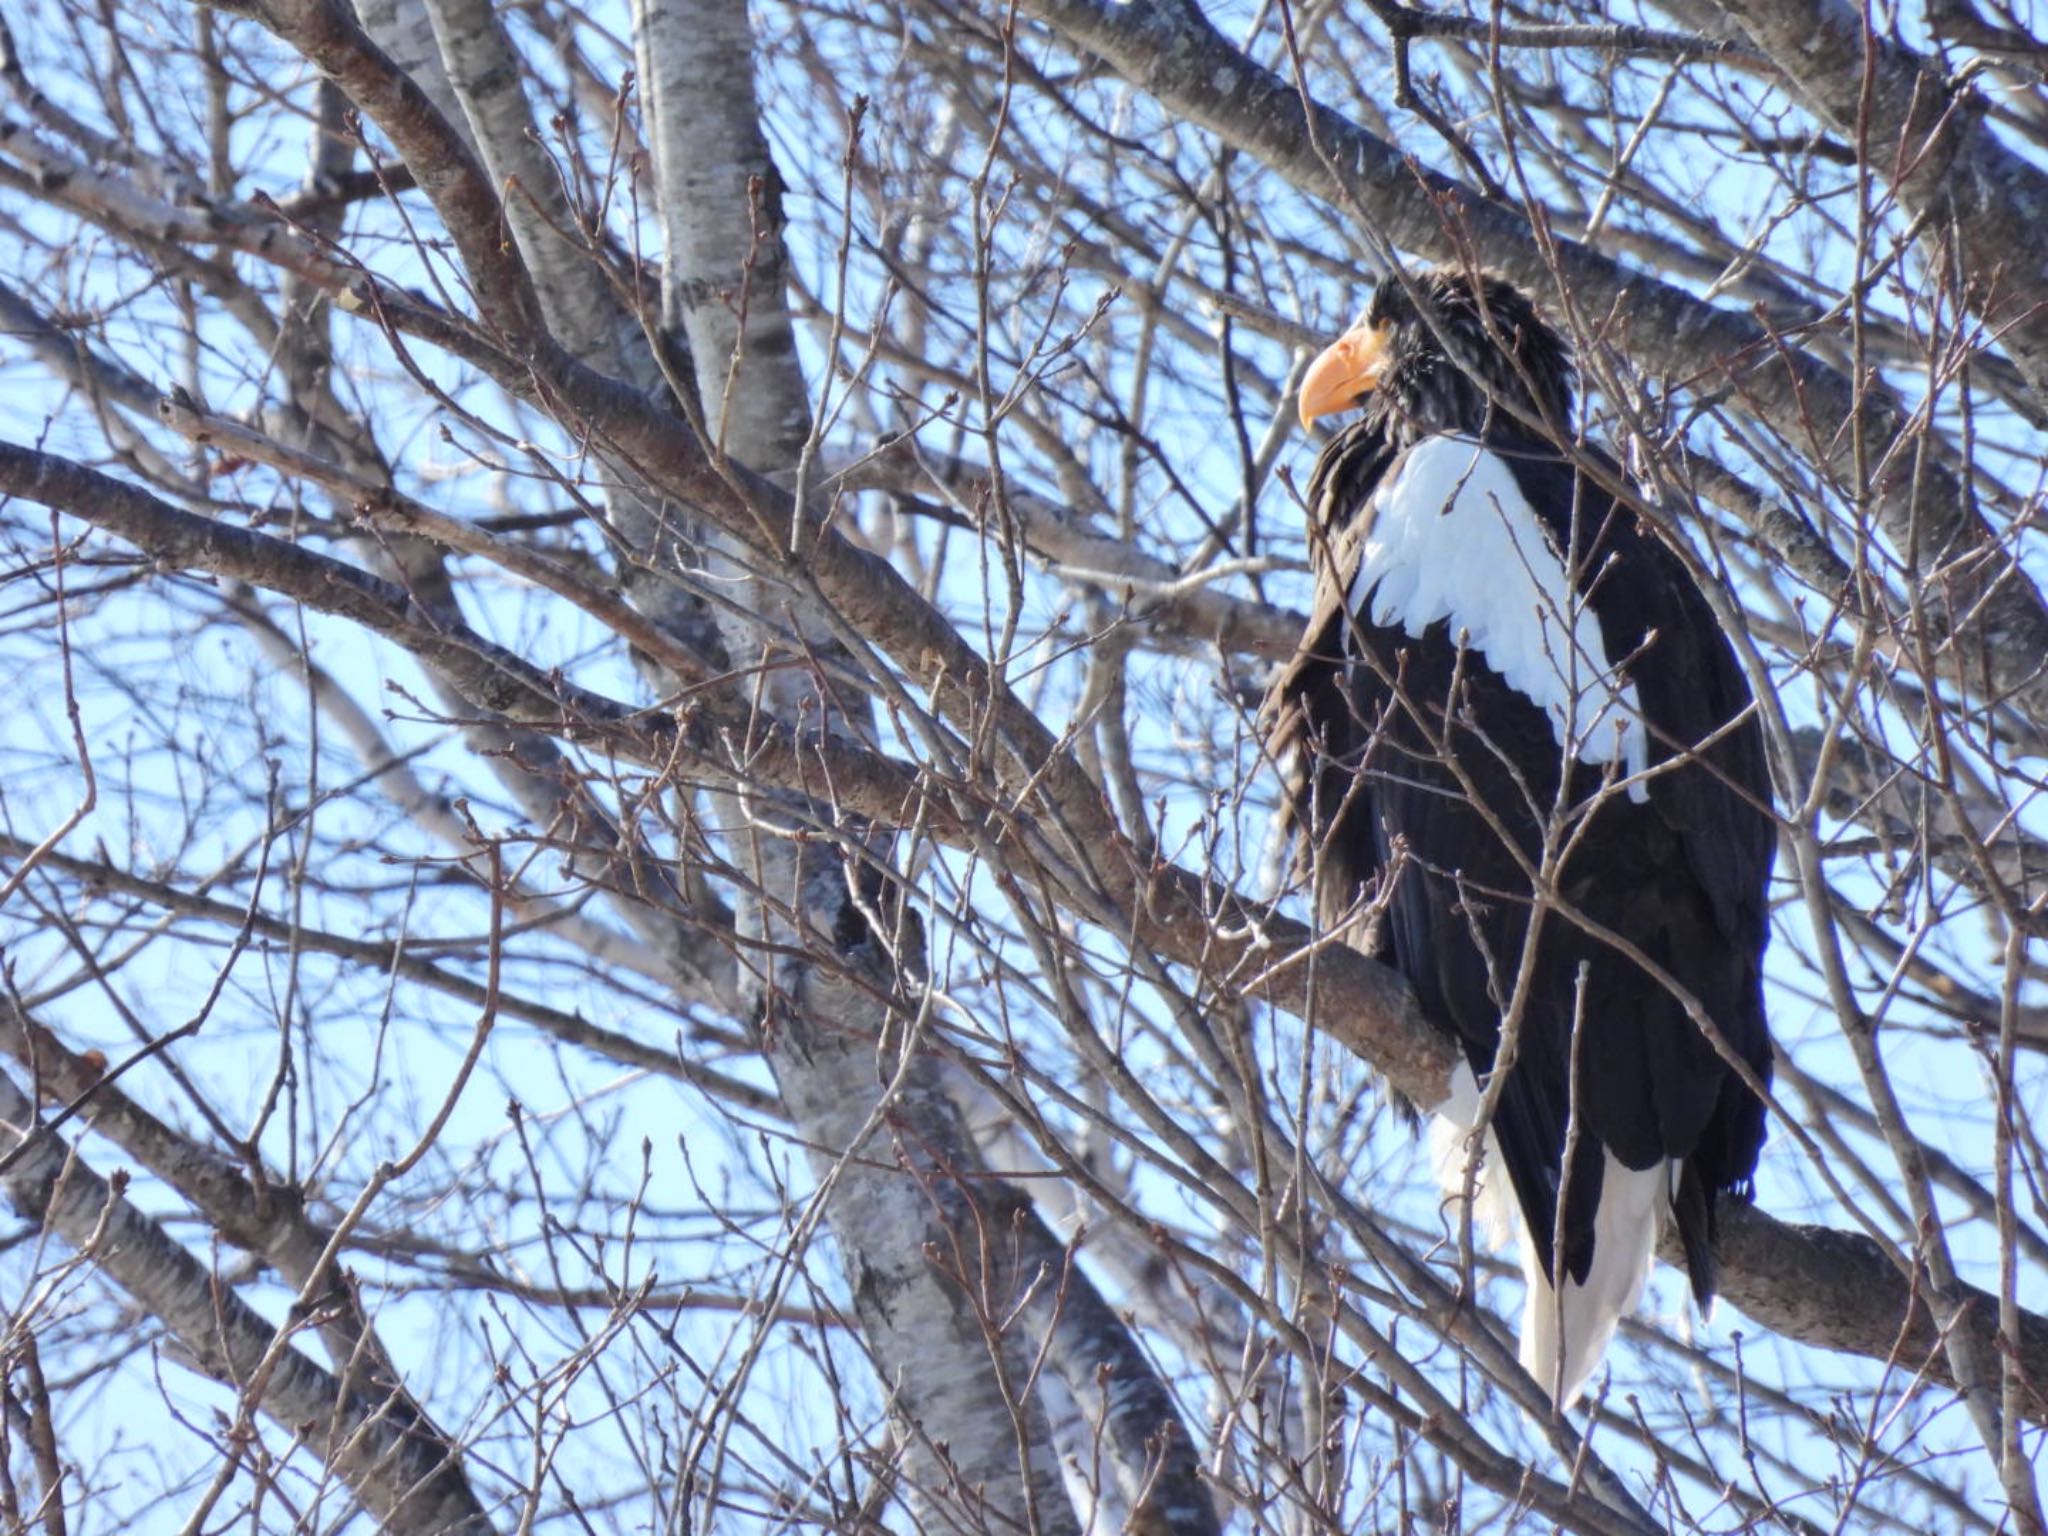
(1429, 398)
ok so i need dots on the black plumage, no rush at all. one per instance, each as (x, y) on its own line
(1412, 752)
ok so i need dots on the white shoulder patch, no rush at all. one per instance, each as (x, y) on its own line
(1452, 538)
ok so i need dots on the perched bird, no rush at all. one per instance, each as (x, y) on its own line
(1508, 685)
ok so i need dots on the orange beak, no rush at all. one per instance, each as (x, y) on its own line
(1349, 367)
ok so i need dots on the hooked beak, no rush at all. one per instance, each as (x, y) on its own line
(1349, 367)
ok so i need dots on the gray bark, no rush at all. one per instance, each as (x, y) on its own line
(399, 1466)
(935, 1268)
(1927, 135)
(726, 277)
(458, 52)
(484, 76)
(404, 30)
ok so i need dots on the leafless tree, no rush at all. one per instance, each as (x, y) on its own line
(635, 869)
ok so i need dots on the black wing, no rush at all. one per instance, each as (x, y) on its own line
(1313, 731)
(1417, 742)
(1703, 917)
(1679, 877)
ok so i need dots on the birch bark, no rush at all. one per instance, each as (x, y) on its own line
(935, 1272)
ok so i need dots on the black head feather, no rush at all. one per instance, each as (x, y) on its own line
(1502, 360)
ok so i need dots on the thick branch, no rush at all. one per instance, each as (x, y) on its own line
(398, 1465)
(1928, 137)
(1159, 1475)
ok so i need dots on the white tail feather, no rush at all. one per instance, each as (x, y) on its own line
(1632, 1204)
(1494, 1216)
(1624, 1241)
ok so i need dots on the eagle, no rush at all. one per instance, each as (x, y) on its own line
(1525, 769)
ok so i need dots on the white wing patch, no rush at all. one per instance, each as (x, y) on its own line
(1452, 538)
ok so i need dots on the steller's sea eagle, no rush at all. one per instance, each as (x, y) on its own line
(1508, 685)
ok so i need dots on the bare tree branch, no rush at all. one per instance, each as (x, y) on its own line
(1985, 599)
(399, 1465)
